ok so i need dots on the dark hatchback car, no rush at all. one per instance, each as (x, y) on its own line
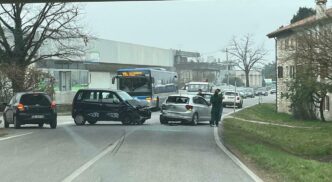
(108, 105)
(30, 108)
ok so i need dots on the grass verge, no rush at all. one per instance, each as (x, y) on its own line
(287, 154)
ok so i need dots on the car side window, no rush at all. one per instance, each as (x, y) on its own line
(109, 97)
(90, 96)
(202, 101)
(195, 100)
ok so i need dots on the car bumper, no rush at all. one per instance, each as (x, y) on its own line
(231, 103)
(26, 118)
(174, 116)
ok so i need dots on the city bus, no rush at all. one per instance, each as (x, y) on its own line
(150, 84)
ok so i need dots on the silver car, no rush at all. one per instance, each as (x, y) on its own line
(185, 108)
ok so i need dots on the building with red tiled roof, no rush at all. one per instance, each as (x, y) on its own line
(285, 39)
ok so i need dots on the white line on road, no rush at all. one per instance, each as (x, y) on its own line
(80, 170)
(85, 166)
(15, 136)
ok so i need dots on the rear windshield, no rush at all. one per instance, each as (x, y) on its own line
(35, 99)
(178, 100)
(231, 94)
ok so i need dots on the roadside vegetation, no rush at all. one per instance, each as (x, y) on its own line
(301, 153)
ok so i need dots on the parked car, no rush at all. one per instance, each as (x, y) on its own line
(261, 91)
(250, 92)
(30, 108)
(273, 91)
(93, 105)
(186, 108)
(230, 97)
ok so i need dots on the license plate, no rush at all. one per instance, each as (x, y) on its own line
(37, 117)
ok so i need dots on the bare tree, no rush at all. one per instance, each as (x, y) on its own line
(246, 55)
(33, 32)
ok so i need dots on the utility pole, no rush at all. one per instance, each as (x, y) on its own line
(227, 67)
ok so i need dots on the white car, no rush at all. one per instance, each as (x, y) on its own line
(230, 97)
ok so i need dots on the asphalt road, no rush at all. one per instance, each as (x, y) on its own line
(109, 151)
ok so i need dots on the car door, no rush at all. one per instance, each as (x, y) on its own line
(111, 106)
(205, 109)
(199, 108)
(90, 105)
(9, 110)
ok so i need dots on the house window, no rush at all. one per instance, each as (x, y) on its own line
(291, 71)
(280, 72)
(327, 103)
(287, 72)
(287, 44)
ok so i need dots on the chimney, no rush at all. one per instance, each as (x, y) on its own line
(320, 9)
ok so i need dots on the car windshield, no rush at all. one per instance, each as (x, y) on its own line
(196, 87)
(124, 96)
(135, 84)
(35, 99)
(177, 100)
(231, 93)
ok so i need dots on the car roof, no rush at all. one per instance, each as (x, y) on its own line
(101, 89)
(182, 95)
(206, 83)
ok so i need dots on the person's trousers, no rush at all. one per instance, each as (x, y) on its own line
(215, 117)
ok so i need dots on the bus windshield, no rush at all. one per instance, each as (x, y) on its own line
(135, 84)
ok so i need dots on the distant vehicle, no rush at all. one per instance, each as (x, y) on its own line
(190, 109)
(93, 105)
(262, 91)
(250, 92)
(30, 108)
(193, 87)
(230, 97)
(151, 85)
(273, 91)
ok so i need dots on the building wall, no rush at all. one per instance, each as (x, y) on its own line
(255, 77)
(108, 51)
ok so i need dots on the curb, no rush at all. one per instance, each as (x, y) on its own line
(236, 160)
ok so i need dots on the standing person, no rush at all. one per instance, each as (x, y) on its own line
(221, 95)
(200, 93)
(216, 102)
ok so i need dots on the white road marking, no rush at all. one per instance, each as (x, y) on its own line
(80, 170)
(88, 164)
(15, 136)
(232, 156)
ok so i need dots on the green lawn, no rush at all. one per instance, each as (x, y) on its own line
(289, 154)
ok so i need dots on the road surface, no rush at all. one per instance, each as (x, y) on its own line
(110, 151)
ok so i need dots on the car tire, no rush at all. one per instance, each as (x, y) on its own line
(40, 125)
(127, 120)
(79, 120)
(92, 122)
(240, 106)
(194, 120)
(163, 120)
(17, 123)
(53, 123)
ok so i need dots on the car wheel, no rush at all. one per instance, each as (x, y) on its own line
(127, 120)
(163, 120)
(194, 120)
(92, 122)
(40, 125)
(53, 123)
(79, 120)
(17, 123)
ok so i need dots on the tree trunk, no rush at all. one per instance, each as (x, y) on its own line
(321, 110)
(247, 78)
(16, 74)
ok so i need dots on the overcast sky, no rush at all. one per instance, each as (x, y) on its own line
(206, 26)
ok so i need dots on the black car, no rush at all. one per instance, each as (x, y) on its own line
(94, 105)
(30, 108)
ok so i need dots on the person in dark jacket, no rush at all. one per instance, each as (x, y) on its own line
(216, 101)
(200, 93)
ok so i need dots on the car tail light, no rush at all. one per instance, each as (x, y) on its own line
(238, 98)
(20, 107)
(189, 107)
(53, 105)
